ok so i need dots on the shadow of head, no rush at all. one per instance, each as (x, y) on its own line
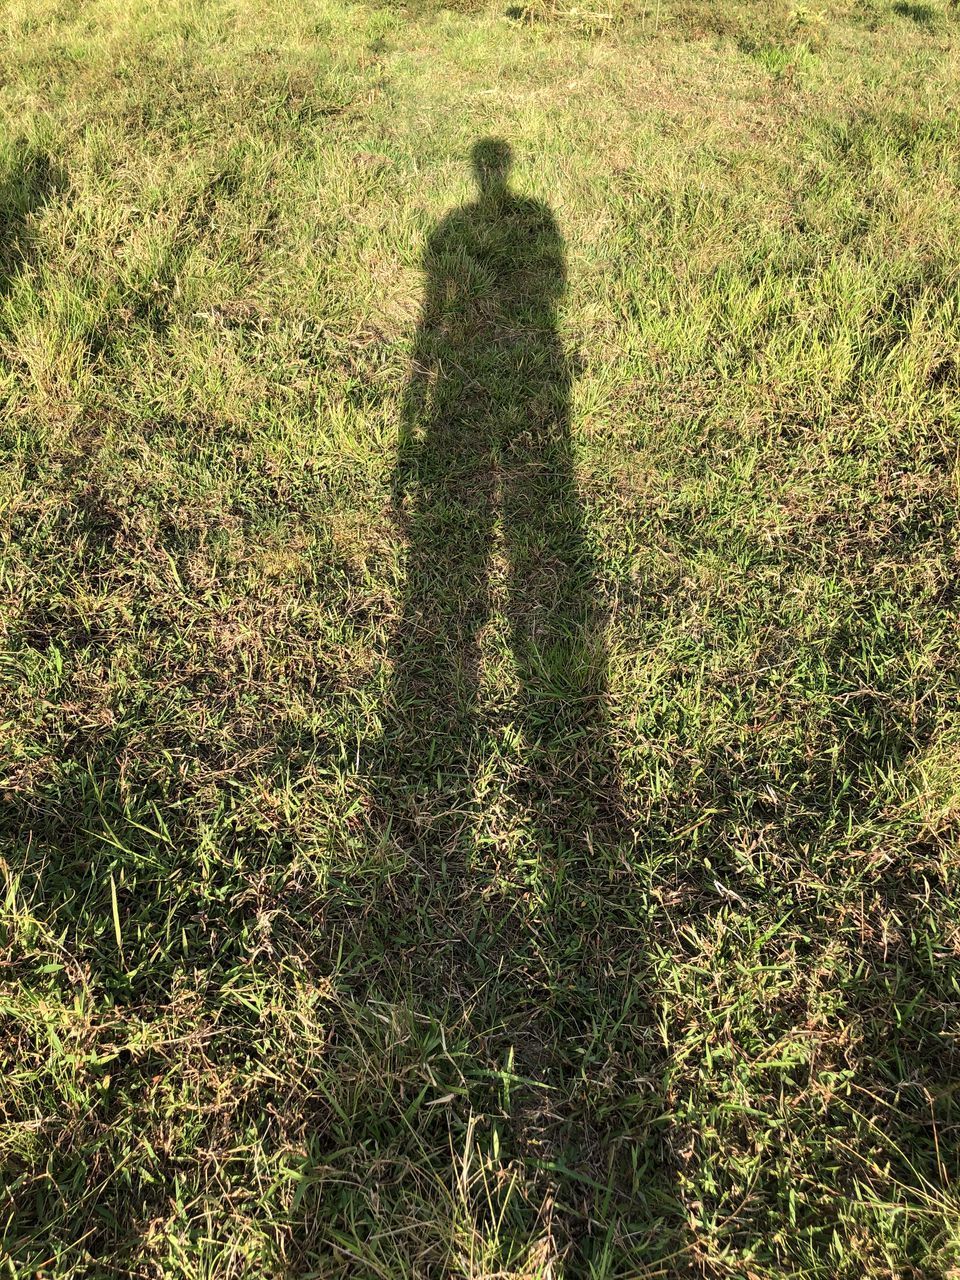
(492, 160)
(924, 15)
(510, 238)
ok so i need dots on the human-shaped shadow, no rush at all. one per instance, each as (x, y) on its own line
(498, 797)
(486, 492)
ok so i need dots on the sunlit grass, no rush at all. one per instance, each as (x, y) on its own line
(282, 992)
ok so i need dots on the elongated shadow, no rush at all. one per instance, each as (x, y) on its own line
(502, 812)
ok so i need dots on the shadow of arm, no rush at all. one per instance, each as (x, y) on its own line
(413, 411)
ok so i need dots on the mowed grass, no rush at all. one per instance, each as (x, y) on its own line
(510, 859)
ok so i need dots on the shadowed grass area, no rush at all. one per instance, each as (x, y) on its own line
(478, 683)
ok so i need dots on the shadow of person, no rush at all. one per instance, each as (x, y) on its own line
(498, 796)
(486, 494)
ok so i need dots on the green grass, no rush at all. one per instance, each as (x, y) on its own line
(480, 771)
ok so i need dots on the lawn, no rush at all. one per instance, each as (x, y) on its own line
(479, 647)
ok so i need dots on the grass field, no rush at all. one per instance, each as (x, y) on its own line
(479, 722)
